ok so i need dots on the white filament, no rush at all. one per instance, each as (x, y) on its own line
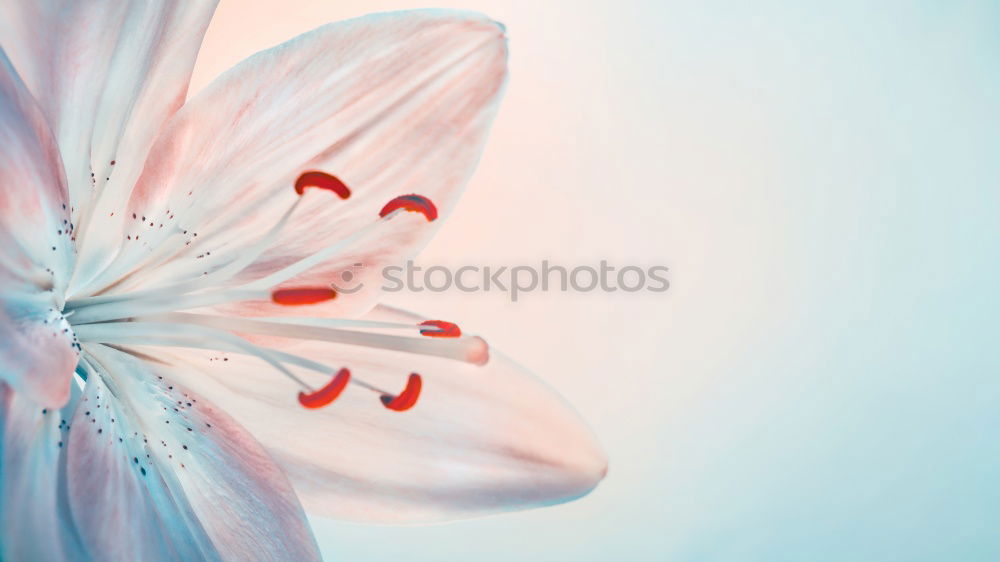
(459, 349)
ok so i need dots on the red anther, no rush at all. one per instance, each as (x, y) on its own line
(303, 295)
(444, 329)
(322, 180)
(327, 394)
(406, 399)
(413, 203)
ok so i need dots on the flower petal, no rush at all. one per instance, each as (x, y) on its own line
(37, 356)
(391, 104)
(34, 521)
(107, 75)
(189, 482)
(479, 439)
(36, 257)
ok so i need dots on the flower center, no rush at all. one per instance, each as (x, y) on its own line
(161, 317)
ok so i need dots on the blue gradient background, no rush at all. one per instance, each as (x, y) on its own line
(820, 383)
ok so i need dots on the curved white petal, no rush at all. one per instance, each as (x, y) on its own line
(392, 104)
(34, 519)
(479, 440)
(107, 75)
(36, 255)
(185, 479)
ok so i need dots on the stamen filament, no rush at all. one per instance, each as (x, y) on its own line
(313, 260)
(173, 291)
(341, 323)
(126, 308)
(246, 258)
(470, 349)
(194, 336)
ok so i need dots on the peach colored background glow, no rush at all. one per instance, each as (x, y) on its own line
(820, 381)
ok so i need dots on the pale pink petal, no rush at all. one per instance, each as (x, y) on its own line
(392, 104)
(36, 255)
(479, 440)
(36, 356)
(107, 75)
(182, 477)
(34, 521)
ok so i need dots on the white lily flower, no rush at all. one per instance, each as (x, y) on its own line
(178, 379)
